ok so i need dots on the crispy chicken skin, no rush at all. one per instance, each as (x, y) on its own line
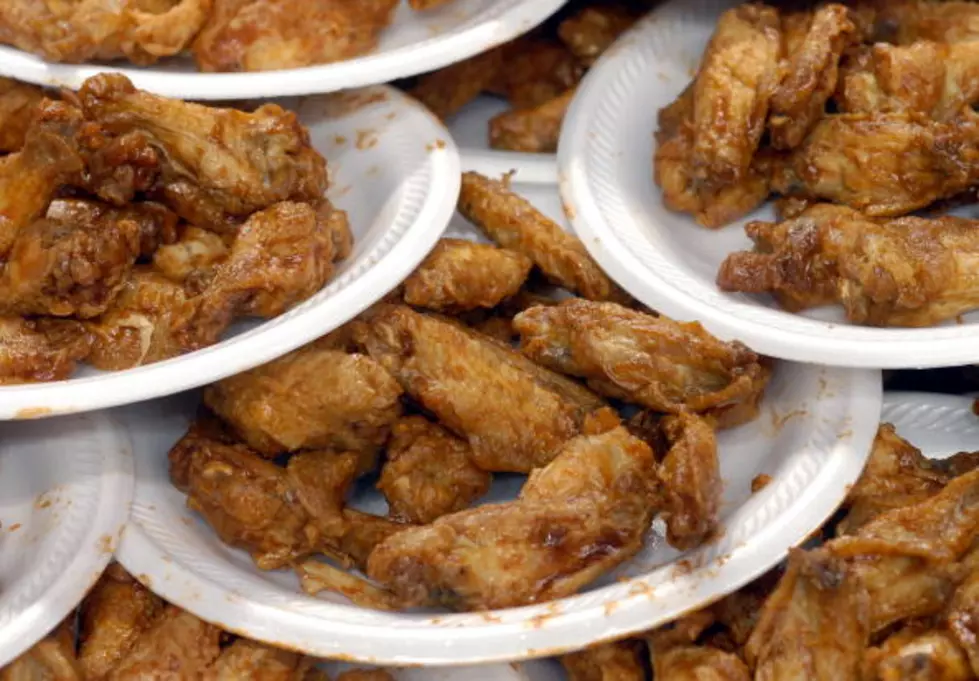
(447, 90)
(218, 165)
(606, 662)
(113, 617)
(39, 350)
(246, 660)
(575, 519)
(513, 420)
(907, 21)
(916, 654)
(141, 31)
(903, 272)
(513, 223)
(732, 93)
(815, 624)
(884, 164)
(812, 75)
(18, 107)
(266, 35)
(316, 397)
(429, 472)
(177, 646)
(192, 258)
(536, 71)
(534, 129)
(651, 361)
(962, 618)
(593, 29)
(51, 659)
(677, 657)
(691, 480)
(460, 275)
(939, 80)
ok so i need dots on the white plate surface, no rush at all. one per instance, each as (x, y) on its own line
(393, 168)
(470, 128)
(65, 490)
(812, 438)
(664, 258)
(414, 43)
(939, 425)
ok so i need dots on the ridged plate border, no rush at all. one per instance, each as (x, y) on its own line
(401, 229)
(937, 424)
(455, 34)
(84, 463)
(813, 437)
(605, 174)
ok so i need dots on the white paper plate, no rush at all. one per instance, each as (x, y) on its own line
(664, 258)
(65, 490)
(470, 128)
(414, 43)
(812, 438)
(939, 425)
(543, 670)
(394, 169)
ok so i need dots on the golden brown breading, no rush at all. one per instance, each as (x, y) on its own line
(176, 641)
(513, 223)
(811, 78)
(316, 397)
(606, 662)
(534, 129)
(37, 350)
(882, 164)
(651, 361)
(575, 519)
(513, 420)
(460, 275)
(593, 29)
(429, 472)
(902, 272)
(117, 612)
(266, 35)
(18, 108)
(691, 481)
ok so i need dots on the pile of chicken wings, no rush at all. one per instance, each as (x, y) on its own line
(135, 228)
(858, 116)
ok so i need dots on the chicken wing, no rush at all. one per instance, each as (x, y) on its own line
(811, 77)
(267, 35)
(938, 80)
(38, 350)
(316, 397)
(446, 91)
(192, 259)
(908, 21)
(962, 619)
(677, 657)
(513, 223)
(177, 646)
(606, 662)
(883, 164)
(646, 360)
(580, 516)
(593, 29)
(915, 655)
(141, 31)
(815, 624)
(429, 472)
(461, 275)
(117, 612)
(218, 165)
(513, 420)
(246, 660)
(691, 481)
(903, 272)
(51, 659)
(18, 108)
(537, 71)
(533, 130)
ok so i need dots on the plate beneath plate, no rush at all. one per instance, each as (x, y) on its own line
(664, 258)
(812, 438)
(393, 168)
(414, 43)
(65, 490)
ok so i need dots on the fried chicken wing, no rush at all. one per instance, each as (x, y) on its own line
(178, 646)
(575, 519)
(267, 35)
(51, 659)
(732, 94)
(141, 31)
(675, 656)
(812, 75)
(39, 350)
(192, 259)
(593, 29)
(646, 360)
(460, 275)
(908, 21)
(691, 480)
(536, 72)
(513, 223)
(447, 90)
(815, 624)
(917, 656)
(902, 272)
(246, 660)
(429, 472)
(533, 130)
(218, 165)
(606, 662)
(513, 420)
(316, 397)
(939, 80)
(962, 619)
(18, 108)
(884, 164)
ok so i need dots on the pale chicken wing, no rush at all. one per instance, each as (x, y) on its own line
(580, 516)
(460, 275)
